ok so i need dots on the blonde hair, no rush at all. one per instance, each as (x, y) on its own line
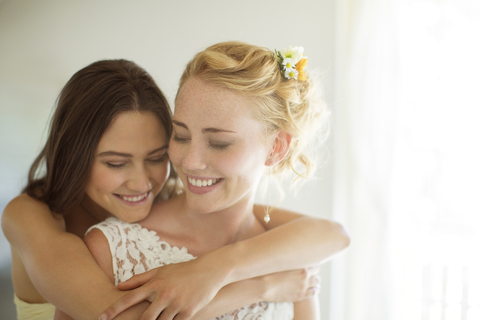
(290, 105)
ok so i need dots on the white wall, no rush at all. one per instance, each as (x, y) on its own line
(42, 43)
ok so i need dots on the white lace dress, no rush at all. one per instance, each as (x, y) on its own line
(136, 250)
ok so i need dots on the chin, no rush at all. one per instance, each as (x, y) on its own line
(206, 207)
(200, 207)
(133, 218)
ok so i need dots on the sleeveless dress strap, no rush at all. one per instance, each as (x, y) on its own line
(114, 230)
(33, 311)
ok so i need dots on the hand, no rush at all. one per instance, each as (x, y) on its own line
(175, 291)
(291, 286)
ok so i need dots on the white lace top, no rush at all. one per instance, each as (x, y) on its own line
(136, 250)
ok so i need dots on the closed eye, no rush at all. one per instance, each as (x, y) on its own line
(178, 139)
(114, 166)
(219, 146)
(161, 159)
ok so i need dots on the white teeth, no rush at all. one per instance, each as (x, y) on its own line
(135, 199)
(202, 183)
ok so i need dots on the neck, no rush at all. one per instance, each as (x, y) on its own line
(222, 227)
(84, 216)
(93, 210)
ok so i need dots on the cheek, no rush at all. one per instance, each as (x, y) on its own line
(175, 153)
(103, 180)
(161, 173)
(243, 163)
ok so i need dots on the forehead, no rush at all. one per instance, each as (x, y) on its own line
(129, 129)
(201, 101)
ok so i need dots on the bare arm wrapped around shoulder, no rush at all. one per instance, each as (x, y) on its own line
(58, 263)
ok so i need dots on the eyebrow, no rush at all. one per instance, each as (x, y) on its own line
(204, 130)
(128, 155)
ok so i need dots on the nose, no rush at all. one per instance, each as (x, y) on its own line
(140, 180)
(194, 158)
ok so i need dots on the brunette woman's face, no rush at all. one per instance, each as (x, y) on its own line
(131, 166)
(217, 146)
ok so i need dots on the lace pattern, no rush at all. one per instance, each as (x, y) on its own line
(136, 250)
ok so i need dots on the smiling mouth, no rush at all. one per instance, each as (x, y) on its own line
(136, 198)
(202, 183)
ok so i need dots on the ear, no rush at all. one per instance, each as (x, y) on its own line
(280, 147)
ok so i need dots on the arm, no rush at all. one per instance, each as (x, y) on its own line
(58, 263)
(309, 240)
(267, 253)
(307, 309)
(296, 285)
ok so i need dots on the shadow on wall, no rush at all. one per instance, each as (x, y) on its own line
(6, 294)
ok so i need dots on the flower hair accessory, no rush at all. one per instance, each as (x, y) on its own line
(292, 63)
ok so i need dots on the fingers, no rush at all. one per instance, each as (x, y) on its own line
(137, 281)
(157, 311)
(125, 302)
(314, 280)
(311, 292)
(315, 269)
(168, 313)
(314, 285)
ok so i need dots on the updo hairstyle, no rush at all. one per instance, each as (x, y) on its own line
(291, 105)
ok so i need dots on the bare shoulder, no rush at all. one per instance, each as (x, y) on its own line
(96, 242)
(278, 216)
(283, 217)
(25, 206)
(98, 245)
(23, 203)
(260, 209)
(23, 213)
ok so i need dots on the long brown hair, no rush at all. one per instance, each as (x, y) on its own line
(85, 108)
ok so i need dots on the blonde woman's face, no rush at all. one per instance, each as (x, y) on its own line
(217, 146)
(130, 167)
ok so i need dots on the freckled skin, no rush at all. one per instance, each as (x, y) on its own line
(137, 134)
(199, 106)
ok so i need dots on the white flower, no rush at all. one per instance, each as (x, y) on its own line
(288, 63)
(292, 73)
(295, 53)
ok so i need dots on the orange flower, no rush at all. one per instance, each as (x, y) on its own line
(299, 67)
(301, 64)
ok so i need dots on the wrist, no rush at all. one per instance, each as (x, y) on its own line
(257, 288)
(266, 289)
(225, 263)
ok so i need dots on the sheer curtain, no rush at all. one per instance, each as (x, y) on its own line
(407, 159)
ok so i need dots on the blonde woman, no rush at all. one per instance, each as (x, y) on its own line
(239, 110)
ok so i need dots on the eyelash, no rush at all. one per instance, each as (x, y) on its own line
(212, 145)
(219, 146)
(161, 159)
(117, 166)
(177, 139)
